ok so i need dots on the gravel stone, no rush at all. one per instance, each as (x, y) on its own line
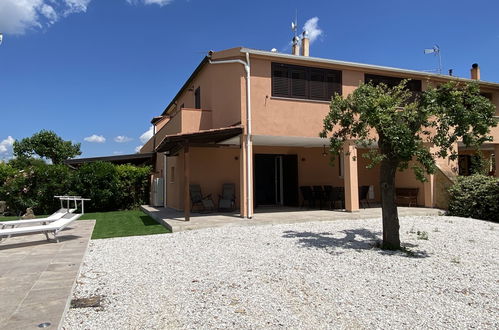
(317, 275)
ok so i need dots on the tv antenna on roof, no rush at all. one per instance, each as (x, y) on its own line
(435, 50)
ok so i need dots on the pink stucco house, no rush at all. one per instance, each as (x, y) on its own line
(252, 118)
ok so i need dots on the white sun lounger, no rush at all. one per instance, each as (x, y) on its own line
(53, 217)
(49, 228)
(52, 228)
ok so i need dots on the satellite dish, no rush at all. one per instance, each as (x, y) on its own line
(293, 26)
(1, 38)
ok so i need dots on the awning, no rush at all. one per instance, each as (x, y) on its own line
(134, 159)
(207, 138)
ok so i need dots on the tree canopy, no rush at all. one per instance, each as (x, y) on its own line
(407, 126)
(46, 144)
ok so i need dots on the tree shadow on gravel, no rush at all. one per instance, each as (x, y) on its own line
(355, 239)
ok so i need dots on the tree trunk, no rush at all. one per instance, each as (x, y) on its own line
(391, 238)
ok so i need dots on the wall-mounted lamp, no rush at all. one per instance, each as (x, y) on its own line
(324, 152)
(191, 89)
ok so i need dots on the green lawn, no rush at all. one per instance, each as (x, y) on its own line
(119, 224)
(123, 223)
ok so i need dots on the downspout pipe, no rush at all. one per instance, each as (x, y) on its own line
(249, 148)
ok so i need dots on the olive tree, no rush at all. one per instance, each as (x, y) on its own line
(46, 144)
(404, 125)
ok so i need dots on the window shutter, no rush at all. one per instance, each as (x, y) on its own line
(333, 84)
(317, 85)
(302, 82)
(299, 83)
(280, 81)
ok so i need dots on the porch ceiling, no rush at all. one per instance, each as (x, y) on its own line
(212, 137)
(283, 141)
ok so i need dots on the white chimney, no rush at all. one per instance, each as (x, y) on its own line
(296, 46)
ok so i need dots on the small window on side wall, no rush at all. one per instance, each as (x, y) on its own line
(197, 98)
(172, 174)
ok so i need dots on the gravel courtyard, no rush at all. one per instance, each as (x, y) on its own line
(302, 276)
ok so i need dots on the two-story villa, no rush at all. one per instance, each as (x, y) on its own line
(252, 118)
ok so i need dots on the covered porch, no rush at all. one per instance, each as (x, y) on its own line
(278, 169)
(174, 219)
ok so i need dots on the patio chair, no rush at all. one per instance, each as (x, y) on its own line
(197, 199)
(308, 196)
(363, 192)
(227, 200)
(339, 195)
(319, 195)
(333, 195)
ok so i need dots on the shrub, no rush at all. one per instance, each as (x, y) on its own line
(475, 196)
(99, 182)
(35, 187)
(133, 186)
(110, 187)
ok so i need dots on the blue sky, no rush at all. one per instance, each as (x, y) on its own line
(104, 68)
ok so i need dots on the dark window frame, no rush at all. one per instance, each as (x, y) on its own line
(197, 98)
(294, 81)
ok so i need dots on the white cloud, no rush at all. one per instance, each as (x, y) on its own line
(312, 27)
(6, 145)
(147, 135)
(137, 149)
(19, 16)
(122, 139)
(75, 6)
(95, 138)
(160, 3)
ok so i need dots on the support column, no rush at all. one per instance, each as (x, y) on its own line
(187, 177)
(246, 178)
(165, 179)
(242, 179)
(496, 152)
(429, 190)
(351, 177)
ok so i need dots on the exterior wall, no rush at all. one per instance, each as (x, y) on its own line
(222, 167)
(221, 91)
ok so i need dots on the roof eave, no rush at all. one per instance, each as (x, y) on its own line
(364, 66)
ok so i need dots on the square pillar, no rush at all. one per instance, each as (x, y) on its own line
(429, 190)
(187, 177)
(245, 173)
(351, 177)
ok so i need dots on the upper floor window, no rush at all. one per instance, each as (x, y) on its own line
(412, 85)
(197, 98)
(304, 83)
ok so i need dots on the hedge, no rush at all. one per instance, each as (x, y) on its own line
(110, 187)
(475, 196)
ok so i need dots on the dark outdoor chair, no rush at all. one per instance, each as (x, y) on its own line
(339, 195)
(333, 195)
(197, 199)
(227, 200)
(319, 195)
(328, 196)
(308, 196)
(363, 192)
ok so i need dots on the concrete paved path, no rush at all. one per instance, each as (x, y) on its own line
(174, 220)
(37, 276)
